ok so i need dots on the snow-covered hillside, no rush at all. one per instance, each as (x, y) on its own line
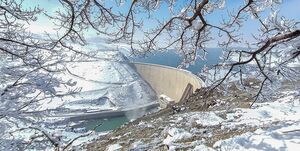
(106, 83)
(273, 125)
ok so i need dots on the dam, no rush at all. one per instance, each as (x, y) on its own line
(175, 83)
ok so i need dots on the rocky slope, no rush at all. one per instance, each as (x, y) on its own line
(223, 123)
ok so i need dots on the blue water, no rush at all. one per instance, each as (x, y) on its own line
(105, 124)
(171, 58)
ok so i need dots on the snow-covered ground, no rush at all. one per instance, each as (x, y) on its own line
(267, 126)
(282, 119)
(277, 126)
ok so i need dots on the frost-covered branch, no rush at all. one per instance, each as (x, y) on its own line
(31, 64)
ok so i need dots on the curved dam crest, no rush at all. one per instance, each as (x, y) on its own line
(169, 81)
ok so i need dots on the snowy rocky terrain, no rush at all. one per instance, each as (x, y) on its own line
(273, 125)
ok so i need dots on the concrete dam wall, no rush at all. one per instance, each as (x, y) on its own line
(169, 81)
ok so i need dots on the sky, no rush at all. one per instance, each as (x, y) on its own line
(288, 8)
